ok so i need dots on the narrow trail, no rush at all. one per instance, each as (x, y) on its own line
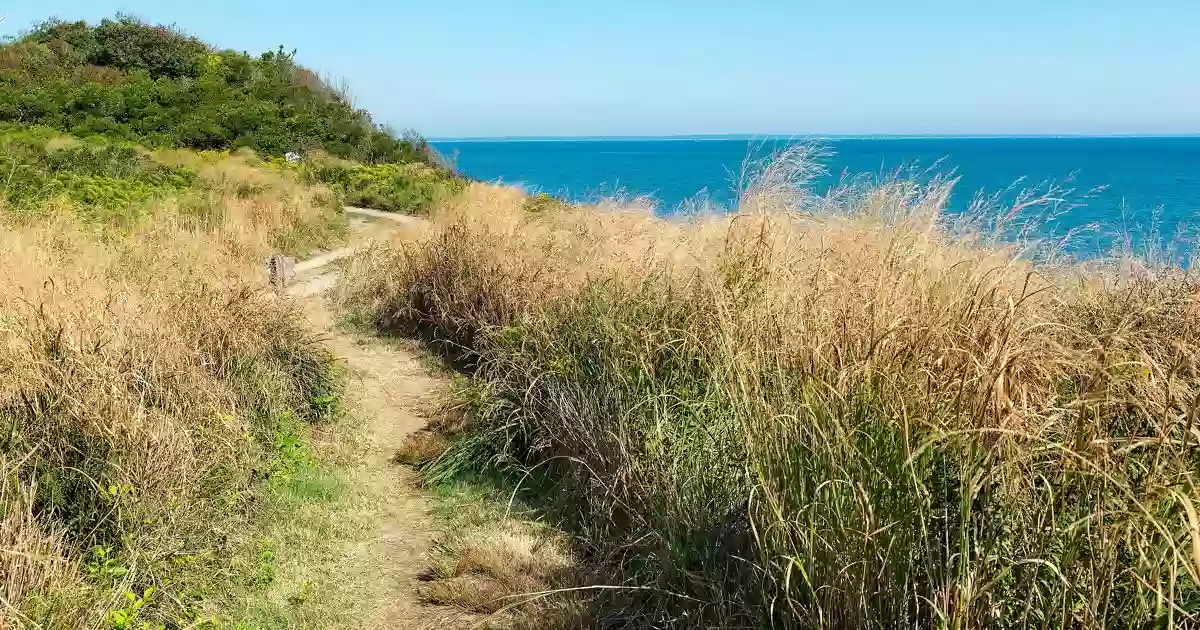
(389, 391)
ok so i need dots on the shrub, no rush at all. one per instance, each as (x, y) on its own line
(106, 179)
(159, 87)
(544, 202)
(124, 44)
(117, 184)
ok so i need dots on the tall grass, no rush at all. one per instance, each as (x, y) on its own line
(146, 383)
(841, 411)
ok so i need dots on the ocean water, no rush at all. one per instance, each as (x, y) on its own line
(1148, 188)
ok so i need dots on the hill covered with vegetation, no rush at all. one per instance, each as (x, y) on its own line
(129, 83)
(157, 86)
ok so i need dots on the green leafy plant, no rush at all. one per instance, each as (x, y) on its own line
(291, 453)
(127, 618)
(264, 568)
(103, 567)
(326, 404)
(544, 202)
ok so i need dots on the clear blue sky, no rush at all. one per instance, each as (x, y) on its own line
(657, 67)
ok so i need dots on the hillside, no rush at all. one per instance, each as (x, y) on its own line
(159, 87)
(151, 394)
(126, 83)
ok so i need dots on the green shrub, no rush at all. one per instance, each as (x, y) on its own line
(124, 44)
(100, 175)
(544, 202)
(158, 87)
(408, 188)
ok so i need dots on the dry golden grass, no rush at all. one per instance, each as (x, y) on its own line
(145, 375)
(509, 567)
(34, 560)
(421, 448)
(835, 411)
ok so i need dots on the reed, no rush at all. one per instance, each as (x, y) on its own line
(839, 411)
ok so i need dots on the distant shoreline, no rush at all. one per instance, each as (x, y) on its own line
(770, 137)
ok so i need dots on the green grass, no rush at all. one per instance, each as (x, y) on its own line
(471, 501)
(288, 577)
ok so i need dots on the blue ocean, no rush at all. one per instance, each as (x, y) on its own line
(1136, 186)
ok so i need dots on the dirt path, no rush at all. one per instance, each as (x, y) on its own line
(389, 391)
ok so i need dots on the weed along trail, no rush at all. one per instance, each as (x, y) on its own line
(380, 557)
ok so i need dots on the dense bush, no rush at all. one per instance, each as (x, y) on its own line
(40, 165)
(116, 184)
(158, 87)
(409, 188)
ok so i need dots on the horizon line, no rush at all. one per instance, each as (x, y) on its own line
(748, 136)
